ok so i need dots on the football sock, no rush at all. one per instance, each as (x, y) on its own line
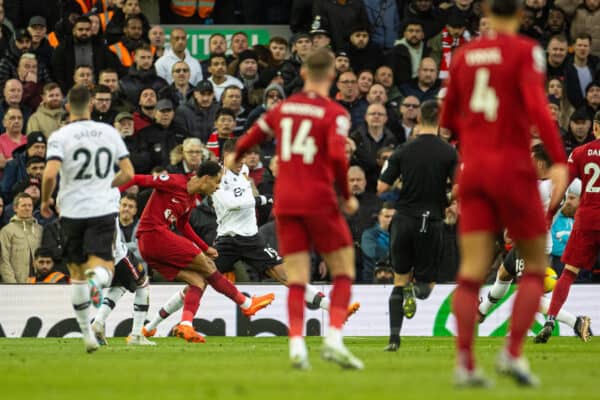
(141, 302)
(563, 316)
(464, 307)
(334, 337)
(314, 297)
(496, 293)
(111, 297)
(223, 286)
(561, 292)
(191, 303)
(396, 313)
(295, 307)
(172, 305)
(527, 303)
(80, 299)
(340, 298)
(102, 277)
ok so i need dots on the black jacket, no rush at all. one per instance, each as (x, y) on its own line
(136, 80)
(153, 145)
(371, 58)
(433, 20)
(10, 62)
(198, 122)
(341, 19)
(572, 84)
(114, 29)
(20, 11)
(401, 63)
(366, 152)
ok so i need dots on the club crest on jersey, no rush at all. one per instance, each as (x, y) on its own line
(342, 125)
(162, 177)
(169, 216)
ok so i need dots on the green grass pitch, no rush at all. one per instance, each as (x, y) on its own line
(257, 368)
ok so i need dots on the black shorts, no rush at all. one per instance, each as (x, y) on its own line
(88, 236)
(251, 249)
(129, 273)
(413, 250)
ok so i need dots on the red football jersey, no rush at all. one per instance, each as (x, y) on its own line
(584, 163)
(169, 206)
(495, 96)
(310, 133)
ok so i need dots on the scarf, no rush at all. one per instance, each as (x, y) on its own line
(449, 44)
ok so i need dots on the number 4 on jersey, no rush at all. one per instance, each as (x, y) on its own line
(484, 97)
(303, 144)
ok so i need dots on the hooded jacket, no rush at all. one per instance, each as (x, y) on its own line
(45, 120)
(136, 80)
(18, 240)
(198, 122)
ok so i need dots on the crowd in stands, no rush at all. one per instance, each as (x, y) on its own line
(174, 110)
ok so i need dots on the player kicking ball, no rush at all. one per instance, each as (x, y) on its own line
(310, 133)
(185, 257)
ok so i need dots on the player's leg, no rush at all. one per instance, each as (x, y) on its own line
(496, 293)
(396, 309)
(191, 303)
(111, 297)
(141, 303)
(172, 305)
(98, 245)
(581, 325)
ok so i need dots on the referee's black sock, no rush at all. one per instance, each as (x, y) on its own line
(396, 313)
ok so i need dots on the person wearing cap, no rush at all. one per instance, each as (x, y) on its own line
(124, 125)
(272, 95)
(18, 45)
(37, 28)
(16, 169)
(141, 74)
(144, 115)
(363, 53)
(47, 116)
(340, 17)
(562, 225)
(342, 62)
(197, 115)
(580, 70)
(247, 71)
(319, 34)
(580, 130)
(454, 35)
(155, 142)
(406, 56)
(218, 77)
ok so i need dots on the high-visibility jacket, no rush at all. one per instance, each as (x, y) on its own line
(105, 18)
(187, 8)
(125, 56)
(52, 277)
(53, 39)
(84, 7)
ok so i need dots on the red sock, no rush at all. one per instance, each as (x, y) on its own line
(464, 306)
(561, 291)
(223, 286)
(296, 309)
(527, 303)
(340, 298)
(191, 303)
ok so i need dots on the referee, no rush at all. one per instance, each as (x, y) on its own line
(426, 166)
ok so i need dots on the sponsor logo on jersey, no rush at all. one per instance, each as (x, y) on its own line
(483, 56)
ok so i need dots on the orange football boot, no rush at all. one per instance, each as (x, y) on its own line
(258, 303)
(352, 309)
(148, 333)
(188, 333)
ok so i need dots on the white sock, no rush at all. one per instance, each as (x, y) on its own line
(563, 316)
(247, 303)
(311, 293)
(102, 277)
(297, 347)
(334, 337)
(497, 291)
(111, 297)
(172, 305)
(140, 308)
(80, 299)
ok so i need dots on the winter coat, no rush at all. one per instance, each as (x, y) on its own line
(136, 80)
(44, 120)
(371, 57)
(432, 20)
(10, 62)
(154, 143)
(586, 21)
(14, 171)
(400, 61)
(341, 18)
(18, 240)
(385, 22)
(366, 152)
(198, 122)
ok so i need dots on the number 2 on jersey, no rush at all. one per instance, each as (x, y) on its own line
(303, 144)
(100, 172)
(484, 97)
(595, 170)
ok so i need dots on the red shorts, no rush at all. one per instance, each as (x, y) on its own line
(326, 233)
(167, 252)
(510, 200)
(582, 249)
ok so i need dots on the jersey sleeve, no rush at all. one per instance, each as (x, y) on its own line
(573, 165)
(161, 182)
(448, 113)
(391, 169)
(121, 148)
(336, 147)
(55, 149)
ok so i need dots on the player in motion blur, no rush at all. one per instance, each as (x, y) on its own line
(310, 131)
(86, 153)
(584, 243)
(185, 258)
(495, 93)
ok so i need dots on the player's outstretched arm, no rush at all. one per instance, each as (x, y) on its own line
(255, 135)
(48, 186)
(125, 173)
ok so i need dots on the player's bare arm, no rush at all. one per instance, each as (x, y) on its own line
(125, 173)
(48, 186)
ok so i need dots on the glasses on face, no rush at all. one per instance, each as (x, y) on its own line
(348, 82)
(410, 105)
(181, 70)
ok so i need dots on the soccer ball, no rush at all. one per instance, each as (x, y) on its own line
(550, 280)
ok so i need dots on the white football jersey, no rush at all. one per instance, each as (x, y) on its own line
(89, 152)
(120, 248)
(234, 204)
(545, 188)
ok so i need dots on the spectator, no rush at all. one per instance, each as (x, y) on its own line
(141, 75)
(238, 44)
(109, 78)
(580, 131)
(193, 155)
(178, 52)
(362, 52)
(580, 71)
(555, 87)
(84, 75)
(37, 29)
(28, 74)
(556, 61)
(385, 22)
(130, 8)
(385, 76)
(340, 17)
(102, 100)
(272, 95)
(428, 15)
(587, 21)
(427, 85)
(409, 109)
(13, 98)
(384, 274)
(225, 125)
(43, 266)
(408, 52)
(375, 243)
(454, 35)
(18, 242)
(144, 116)
(219, 79)
(19, 45)
(79, 49)
(320, 37)
(13, 137)
(592, 99)
(131, 40)
(556, 24)
(197, 115)
(342, 62)
(217, 44)
(124, 125)
(278, 47)
(563, 225)
(180, 91)
(365, 81)
(369, 139)
(16, 169)
(48, 115)
(6, 31)
(247, 73)
(157, 39)
(232, 100)
(555, 113)
(156, 141)
(529, 27)
(348, 97)
(34, 168)
(128, 220)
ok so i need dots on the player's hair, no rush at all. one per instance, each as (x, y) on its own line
(35, 160)
(158, 170)
(42, 252)
(130, 196)
(278, 40)
(319, 63)
(19, 196)
(48, 87)
(208, 168)
(540, 154)
(225, 111)
(505, 8)
(101, 89)
(229, 146)
(216, 55)
(430, 111)
(78, 99)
